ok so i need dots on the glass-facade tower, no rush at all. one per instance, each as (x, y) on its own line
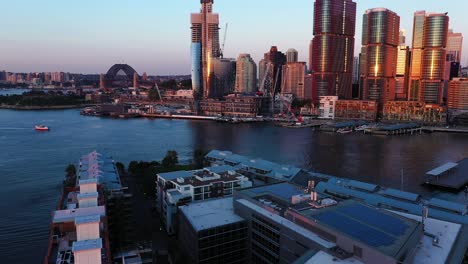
(332, 50)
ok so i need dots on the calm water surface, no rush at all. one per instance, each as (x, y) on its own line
(32, 164)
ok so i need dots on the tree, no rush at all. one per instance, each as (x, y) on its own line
(133, 167)
(153, 95)
(170, 160)
(199, 158)
(71, 170)
(120, 167)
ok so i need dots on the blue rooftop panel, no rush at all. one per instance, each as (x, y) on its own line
(456, 207)
(168, 176)
(282, 190)
(221, 169)
(400, 194)
(363, 186)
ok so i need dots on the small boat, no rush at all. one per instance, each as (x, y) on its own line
(41, 128)
(344, 130)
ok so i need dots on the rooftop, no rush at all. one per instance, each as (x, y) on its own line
(450, 175)
(211, 213)
(323, 257)
(63, 216)
(87, 245)
(95, 166)
(87, 219)
(385, 231)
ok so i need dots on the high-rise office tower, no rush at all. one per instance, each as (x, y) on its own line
(224, 76)
(205, 47)
(292, 55)
(246, 74)
(356, 70)
(380, 39)
(428, 55)
(402, 70)
(454, 50)
(293, 79)
(271, 68)
(333, 47)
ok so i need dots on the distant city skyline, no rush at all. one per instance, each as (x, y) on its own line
(154, 37)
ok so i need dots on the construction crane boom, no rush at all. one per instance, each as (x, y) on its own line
(224, 41)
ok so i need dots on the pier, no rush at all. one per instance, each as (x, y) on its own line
(398, 129)
(449, 176)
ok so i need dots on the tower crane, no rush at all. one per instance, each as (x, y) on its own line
(221, 52)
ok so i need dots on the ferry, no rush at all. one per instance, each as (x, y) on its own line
(344, 130)
(41, 128)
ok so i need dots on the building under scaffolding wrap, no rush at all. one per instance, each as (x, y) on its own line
(414, 111)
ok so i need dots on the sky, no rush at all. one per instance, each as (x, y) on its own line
(153, 36)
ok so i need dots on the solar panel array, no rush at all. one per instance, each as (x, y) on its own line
(355, 229)
(368, 225)
(373, 217)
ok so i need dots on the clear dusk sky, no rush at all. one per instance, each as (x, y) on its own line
(89, 36)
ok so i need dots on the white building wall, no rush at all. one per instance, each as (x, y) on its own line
(87, 231)
(92, 256)
(88, 202)
(327, 107)
(88, 188)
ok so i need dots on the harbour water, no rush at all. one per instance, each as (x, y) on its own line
(32, 163)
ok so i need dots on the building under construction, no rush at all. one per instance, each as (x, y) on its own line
(431, 114)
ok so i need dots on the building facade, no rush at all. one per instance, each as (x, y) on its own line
(458, 95)
(454, 51)
(293, 79)
(402, 70)
(223, 78)
(427, 70)
(204, 48)
(380, 40)
(333, 47)
(270, 69)
(292, 55)
(246, 74)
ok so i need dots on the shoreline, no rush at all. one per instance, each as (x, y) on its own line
(35, 107)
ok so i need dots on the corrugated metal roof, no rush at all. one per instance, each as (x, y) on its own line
(168, 176)
(457, 207)
(363, 186)
(401, 194)
(439, 170)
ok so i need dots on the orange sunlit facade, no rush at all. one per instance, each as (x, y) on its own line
(380, 40)
(428, 57)
(458, 94)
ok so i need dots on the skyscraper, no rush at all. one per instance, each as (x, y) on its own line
(224, 76)
(246, 74)
(271, 68)
(454, 50)
(402, 70)
(380, 39)
(205, 47)
(333, 47)
(293, 79)
(427, 70)
(292, 55)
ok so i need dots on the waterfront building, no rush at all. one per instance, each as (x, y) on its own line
(454, 51)
(356, 109)
(258, 169)
(246, 75)
(431, 114)
(174, 189)
(3, 76)
(210, 232)
(309, 92)
(380, 39)
(292, 55)
(289, 222)
(458, 95)
(233, 105)
(79, 228)
(293, 79)
(224, 77)
(204, 48)
(333, 47)
(327, 107)
(428, 56)
(402, 68)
